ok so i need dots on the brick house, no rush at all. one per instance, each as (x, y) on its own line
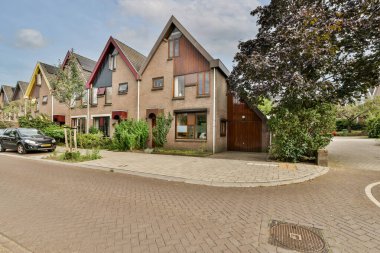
(6, 94)
(18, 95)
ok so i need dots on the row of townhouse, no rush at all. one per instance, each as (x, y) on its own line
(178, 76)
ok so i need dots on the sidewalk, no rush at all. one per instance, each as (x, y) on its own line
(202, 171)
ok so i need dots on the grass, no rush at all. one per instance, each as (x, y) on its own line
(181, 152)
(76, 156)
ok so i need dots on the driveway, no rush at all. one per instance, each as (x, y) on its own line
(356, 153)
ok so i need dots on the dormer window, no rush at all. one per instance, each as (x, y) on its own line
(44, 99)
(174, 43)
(39, 81)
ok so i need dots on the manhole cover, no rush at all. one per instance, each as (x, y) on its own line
(296, 237)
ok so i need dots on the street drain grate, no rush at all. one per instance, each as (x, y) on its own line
(297, 237)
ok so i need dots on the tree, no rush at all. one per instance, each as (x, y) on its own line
(351, 112)
(310, 52)
(161, 130)
(67, 86)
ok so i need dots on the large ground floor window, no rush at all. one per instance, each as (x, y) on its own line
(191, 125)
(103, 124)
(80, 124)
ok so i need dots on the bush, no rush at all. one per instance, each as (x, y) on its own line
(373, 127)
(76, 156)
(40, 122)
(342, 124)
(161, 130)
(130, 134)
(93, 130)
(93, 141)
(299, 134)
(55, 131)
(6, 124)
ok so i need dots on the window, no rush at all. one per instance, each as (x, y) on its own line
(39, 81)
(94, 96)
(204, 84)
(174, 43)
(158, 83)
(85, 97)
(191, 126)
(123, 88)
(179, 86)
(44, 99)
(79, 124)
(112, 61)
(73, 103)
(102, 123)
(223, 128)
(109, 95)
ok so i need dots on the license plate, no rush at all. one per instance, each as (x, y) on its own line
(45, 145)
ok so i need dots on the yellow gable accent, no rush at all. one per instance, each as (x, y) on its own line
(33, 80)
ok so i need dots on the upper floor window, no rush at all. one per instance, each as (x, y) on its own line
(123, 88)
(109, 95)
(179, 86)
(204, 84)
(174, 43)
(37, 106)
(112, 60)
(85, 97)
(39, 79)
(158, 83)
(44, 99)
(94, 96)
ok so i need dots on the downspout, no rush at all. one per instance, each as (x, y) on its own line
(138, 99)
(88, 111)
(214, 115)
(52, 108)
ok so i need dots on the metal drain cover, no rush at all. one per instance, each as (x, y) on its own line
(297, 237)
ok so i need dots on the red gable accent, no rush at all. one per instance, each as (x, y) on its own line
(103, 57)
(59, 118)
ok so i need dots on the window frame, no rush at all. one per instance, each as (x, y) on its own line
(108, 125)
(194, 126)
(203, 86)
(108, 95)
(158, 87)
(94, 96)
(171, 51)
(174, 85)
(44, 102)
(122, 92)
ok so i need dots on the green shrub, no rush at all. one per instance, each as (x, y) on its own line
(40, 122)
(93, 130)
(6, 124)
(94, 141)
(161, 130)
(373, 127)
(130, 134)
(76, 156)
(70, 156)
(299, 134)
(342, 124)
(55, 131)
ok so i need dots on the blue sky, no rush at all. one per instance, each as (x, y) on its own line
(43, 30)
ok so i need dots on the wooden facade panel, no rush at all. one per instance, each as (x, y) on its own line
(244, 128)
(189, 59)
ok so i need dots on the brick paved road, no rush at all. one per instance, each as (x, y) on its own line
(49, 208)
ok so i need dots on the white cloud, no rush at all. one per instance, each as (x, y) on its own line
(218, 25)
(30, 38)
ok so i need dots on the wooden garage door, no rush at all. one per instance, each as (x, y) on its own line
(244, 127)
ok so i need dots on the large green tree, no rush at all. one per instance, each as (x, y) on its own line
(310, 52)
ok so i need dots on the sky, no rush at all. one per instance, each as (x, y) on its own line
(44, 30)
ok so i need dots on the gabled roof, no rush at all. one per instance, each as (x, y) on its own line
(86, 64)
(8, 91)
(131, 57)
(21, 86)
(47, 71)
(173, 22)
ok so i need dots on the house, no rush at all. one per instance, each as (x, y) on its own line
(113, 86)
(18, 96)
(6, 94)
(39, 91)
(179, 76)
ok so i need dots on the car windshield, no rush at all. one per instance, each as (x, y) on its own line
(29, 132)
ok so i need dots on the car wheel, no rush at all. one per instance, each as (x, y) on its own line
(21, 149)
(51, 150)
(2, 149)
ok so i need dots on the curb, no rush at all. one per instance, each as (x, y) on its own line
(11, 245)
(321, 171)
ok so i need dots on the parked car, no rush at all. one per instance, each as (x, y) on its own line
(1, 131)
(26, 139)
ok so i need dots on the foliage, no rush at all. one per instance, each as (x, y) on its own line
(345, 132)
(14, 107)
(55, 131)
(307, 53)
(6, 124)
(182, 152)
(266, 106)
(351, 112)
(373, 127)
(130, 134)
(94, 141)
(40, 122)
(342, 124)
(93, 130)
(297, 135)
(67, 85)
(76, 156)
(161, 130)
